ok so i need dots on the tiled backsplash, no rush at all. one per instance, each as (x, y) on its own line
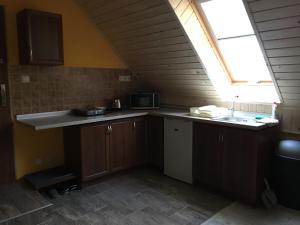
(61, 88)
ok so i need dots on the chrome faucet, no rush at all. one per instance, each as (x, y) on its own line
(232, 106)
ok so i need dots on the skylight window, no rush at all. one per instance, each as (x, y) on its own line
(236, 41)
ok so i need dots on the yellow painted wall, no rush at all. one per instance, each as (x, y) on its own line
(84, 46)
(37, 150)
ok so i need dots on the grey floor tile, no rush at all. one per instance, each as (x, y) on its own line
(18, 199)
(189, 216)
(149, 216)
(139, 198)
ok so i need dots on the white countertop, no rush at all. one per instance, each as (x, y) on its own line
(41, 121)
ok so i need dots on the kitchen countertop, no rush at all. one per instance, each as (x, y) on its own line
(42, 121)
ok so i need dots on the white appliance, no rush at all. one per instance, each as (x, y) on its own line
(178, 138)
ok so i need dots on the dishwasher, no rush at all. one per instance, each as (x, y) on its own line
(178, 138)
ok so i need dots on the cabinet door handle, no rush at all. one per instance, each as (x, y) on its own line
(110, 128)
(31, 54)
(222, 137)
(134, 125)
(3, 95)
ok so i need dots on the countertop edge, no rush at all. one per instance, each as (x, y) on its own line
(28, 119)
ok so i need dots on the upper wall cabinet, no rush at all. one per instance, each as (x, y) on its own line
(40, 38)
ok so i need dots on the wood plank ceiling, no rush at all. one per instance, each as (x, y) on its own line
(148, 35)
(278, 23)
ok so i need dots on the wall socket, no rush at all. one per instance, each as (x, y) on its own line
(123, 78)
(25, 79)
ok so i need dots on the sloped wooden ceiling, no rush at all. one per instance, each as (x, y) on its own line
(149, 37)
(278, 23)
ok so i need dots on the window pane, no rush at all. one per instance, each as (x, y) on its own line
(228, 18)
(244, 59)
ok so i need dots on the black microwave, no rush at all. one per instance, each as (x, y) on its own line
(144, 100)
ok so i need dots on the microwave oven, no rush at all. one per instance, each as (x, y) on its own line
(144, 100)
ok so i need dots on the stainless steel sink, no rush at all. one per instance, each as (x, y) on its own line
(239, 120)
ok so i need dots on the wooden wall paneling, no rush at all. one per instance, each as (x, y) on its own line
(171, 33)
(282, 43)
(154, 10)
(164, 55)
(280, 34)
(111, 8)
(286, 68)
(285, 60)
(122, 12)
(156, 47)
(261, 5)
(148, 35)
(288, 11)
(175, 72)
(287, 76)
(153, 43)
(138, 61)
(143, 31)
(290, 89)
(284, 23)
(289, 83)
(278, 52)
(145, 22)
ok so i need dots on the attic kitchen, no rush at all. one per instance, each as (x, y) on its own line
(142, 112)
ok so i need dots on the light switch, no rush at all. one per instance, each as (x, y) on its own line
(123, 78)
(25, 79)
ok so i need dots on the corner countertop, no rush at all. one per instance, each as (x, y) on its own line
(42, 121)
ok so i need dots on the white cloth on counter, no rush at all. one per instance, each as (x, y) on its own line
(210, 111)
(268, 120)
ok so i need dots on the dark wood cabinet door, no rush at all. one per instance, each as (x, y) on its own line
(94, 151)
(120, 144)
(239, 167)
(155, 141)
(207, 155)
(139, 141)
(40, 37)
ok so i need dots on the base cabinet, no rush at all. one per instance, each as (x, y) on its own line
(207, 155)
(95, 150)
(155, 141)
(233, 160)
(94, 142)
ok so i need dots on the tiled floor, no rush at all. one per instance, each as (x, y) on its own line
(138, 198)
(238, 214)
(17, 199)
(147, 198)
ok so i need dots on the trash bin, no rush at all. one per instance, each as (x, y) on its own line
(286, 173)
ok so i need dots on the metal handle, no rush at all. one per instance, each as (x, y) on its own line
(221, 137)
(3, 95)
(109, 129)
(134, 125)
(31, 53)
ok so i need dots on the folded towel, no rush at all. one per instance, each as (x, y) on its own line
(210, 111)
